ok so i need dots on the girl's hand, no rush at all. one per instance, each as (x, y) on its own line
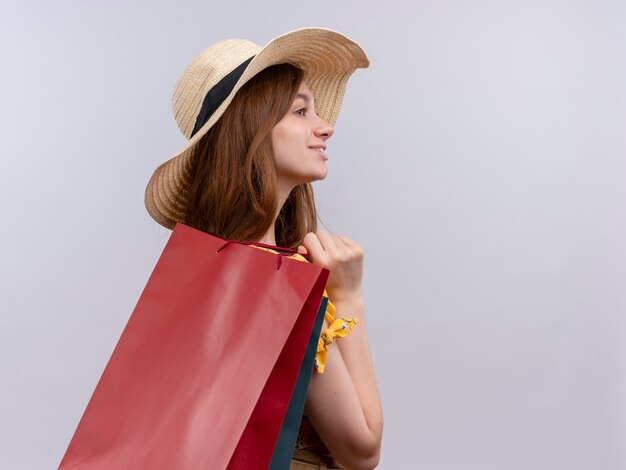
(344, 258)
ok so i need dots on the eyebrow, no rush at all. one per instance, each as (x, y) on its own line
(306, 98)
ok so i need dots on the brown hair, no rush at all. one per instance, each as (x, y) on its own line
(233, 191)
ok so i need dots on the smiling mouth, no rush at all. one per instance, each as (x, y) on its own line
(320, 151)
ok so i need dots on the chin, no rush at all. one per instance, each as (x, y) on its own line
(319, 177)
(323, 173)
(315, 174)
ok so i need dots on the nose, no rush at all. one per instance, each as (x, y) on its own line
(324, 130)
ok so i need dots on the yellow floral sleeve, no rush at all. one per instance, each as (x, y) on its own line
(337, 328)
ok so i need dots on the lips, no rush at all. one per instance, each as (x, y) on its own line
(320, 150)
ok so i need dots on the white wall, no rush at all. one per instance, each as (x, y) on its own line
(480, 161)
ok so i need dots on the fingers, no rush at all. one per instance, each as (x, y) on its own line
(315, 248)
(326, 248)
(354, 246)
(327, 240)
(346, 240)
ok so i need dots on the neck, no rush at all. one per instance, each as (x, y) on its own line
(270, 236)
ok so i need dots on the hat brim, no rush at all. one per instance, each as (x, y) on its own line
(328, 59)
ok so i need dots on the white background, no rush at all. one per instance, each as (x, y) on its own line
(480, 161)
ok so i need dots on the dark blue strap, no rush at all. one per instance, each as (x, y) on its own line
(283, 450)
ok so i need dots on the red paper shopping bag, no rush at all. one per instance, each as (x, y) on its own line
(217, 338)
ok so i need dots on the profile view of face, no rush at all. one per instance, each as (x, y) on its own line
(299, 141)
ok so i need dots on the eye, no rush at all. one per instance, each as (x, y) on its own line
(301, 111)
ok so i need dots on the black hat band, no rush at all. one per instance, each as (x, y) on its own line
(217, 94)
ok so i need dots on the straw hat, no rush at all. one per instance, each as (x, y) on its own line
(210, 82)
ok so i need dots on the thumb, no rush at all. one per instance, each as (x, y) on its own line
(302, 250)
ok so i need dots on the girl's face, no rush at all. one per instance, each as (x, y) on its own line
(299, 141)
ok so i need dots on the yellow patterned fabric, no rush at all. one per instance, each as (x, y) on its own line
(337, 327)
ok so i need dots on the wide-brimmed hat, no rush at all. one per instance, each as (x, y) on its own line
(211, 81)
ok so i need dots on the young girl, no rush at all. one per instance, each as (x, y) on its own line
(258, 120)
